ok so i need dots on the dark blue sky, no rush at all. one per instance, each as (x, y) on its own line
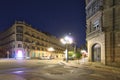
(57, 17)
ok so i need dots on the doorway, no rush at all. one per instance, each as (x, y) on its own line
(96, 53)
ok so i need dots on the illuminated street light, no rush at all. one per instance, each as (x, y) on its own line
(67, 40)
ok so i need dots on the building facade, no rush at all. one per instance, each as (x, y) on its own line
(23, 41)
(103, 31)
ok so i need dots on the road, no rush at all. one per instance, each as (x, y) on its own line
(53, 70)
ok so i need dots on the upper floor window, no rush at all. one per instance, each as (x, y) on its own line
(19, 29)
(19, 45)
(96, 25)
(19, 37)
(93, 7)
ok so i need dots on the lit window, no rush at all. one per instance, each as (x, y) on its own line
(19, 45)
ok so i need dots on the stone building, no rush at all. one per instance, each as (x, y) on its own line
(23, 41)
(103, 31)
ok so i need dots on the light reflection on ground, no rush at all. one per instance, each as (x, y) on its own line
(18, 72)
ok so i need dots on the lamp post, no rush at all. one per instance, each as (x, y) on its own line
(67, 40)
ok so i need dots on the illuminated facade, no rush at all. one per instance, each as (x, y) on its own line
(103, 31)
(23, 41)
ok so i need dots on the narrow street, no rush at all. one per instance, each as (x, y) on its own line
(54, 70)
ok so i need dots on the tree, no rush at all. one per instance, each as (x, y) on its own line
(78, 56)
(71, 53)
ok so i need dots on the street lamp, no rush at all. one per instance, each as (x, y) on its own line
(67, 40)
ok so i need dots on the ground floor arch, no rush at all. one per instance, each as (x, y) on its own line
(96, 53)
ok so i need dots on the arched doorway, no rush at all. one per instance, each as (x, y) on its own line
(96, 53)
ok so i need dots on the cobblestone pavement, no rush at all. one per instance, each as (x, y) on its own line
(55, 70)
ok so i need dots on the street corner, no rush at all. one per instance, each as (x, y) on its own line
(10, 77)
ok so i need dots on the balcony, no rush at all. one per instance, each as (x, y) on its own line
(93, 7)
(27, 33)
(27, 40)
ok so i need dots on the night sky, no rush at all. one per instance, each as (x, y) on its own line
(57, 17)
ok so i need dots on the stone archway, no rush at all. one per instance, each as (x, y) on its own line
(96, 53)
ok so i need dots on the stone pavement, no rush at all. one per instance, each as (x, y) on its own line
(71, 63)
(10, 77)
(95, 65)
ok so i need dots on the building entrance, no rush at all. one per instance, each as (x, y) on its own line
(96, 53)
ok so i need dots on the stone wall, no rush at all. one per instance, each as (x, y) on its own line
(100, 39)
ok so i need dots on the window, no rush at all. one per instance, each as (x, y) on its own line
(33, 47)
(93, 8)
(42, 54)
(13, 46)
(19, 37)
(19, 29)
(19, 45)
(42, 49)
(96, 25)
(38, 48)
